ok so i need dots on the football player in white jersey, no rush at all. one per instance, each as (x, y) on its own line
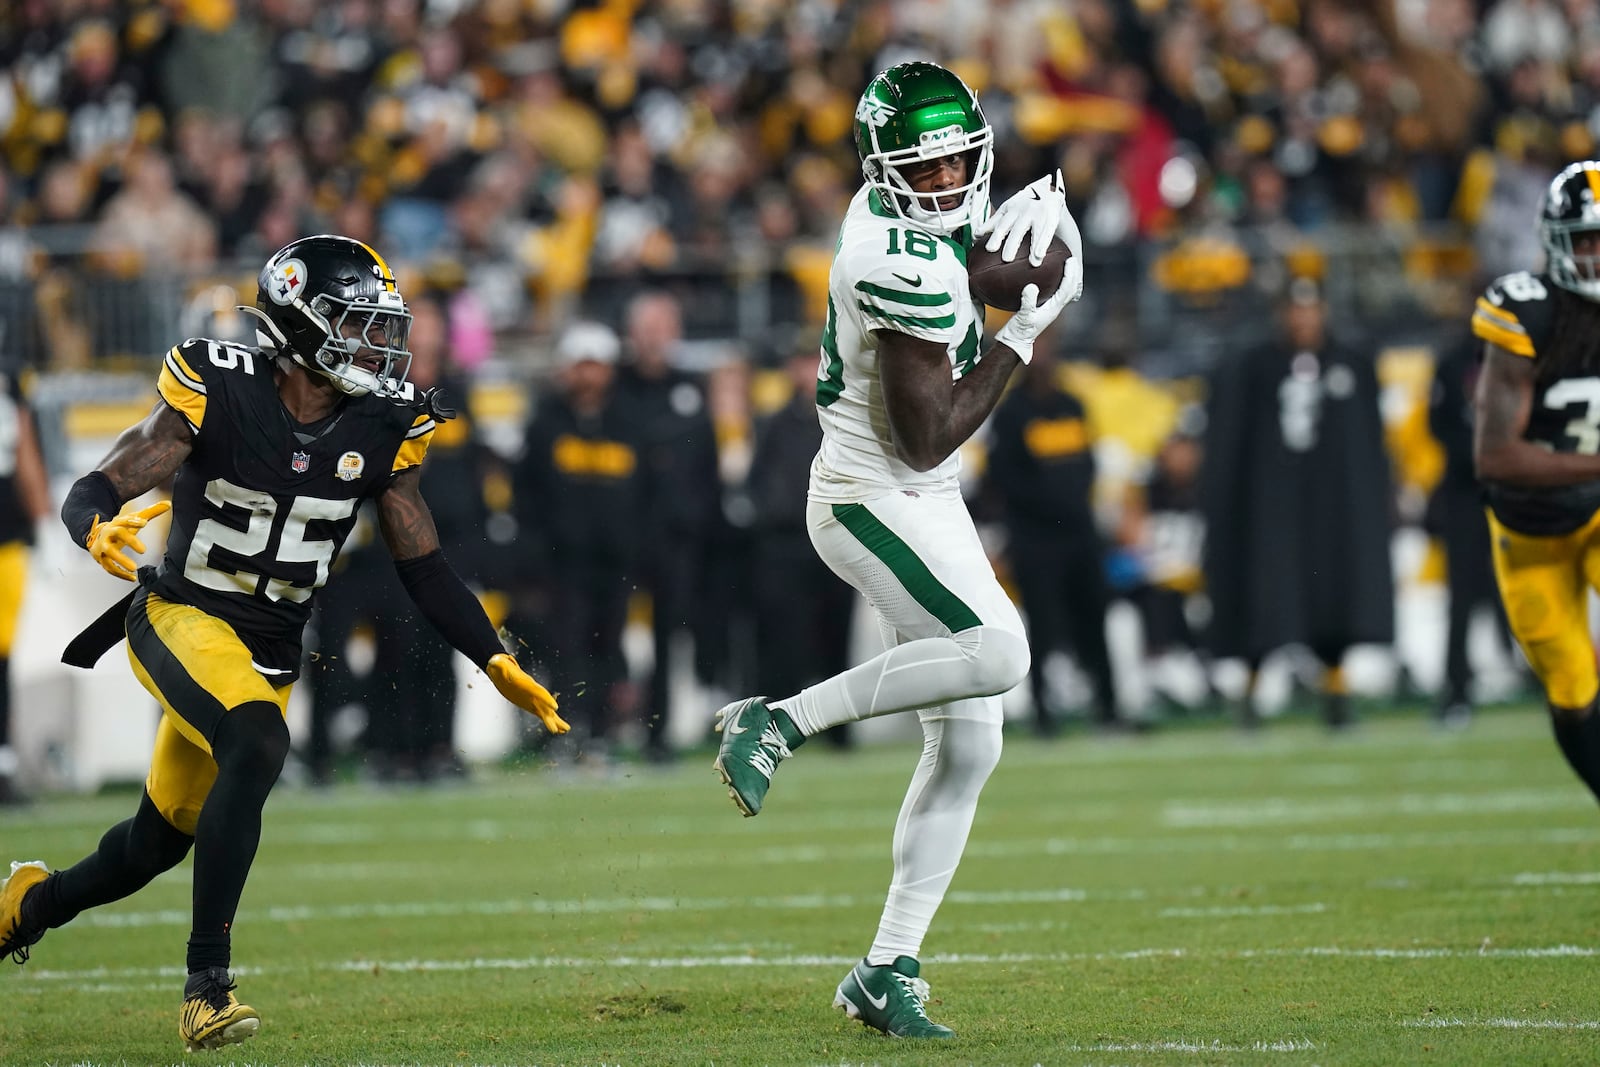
(903, 383)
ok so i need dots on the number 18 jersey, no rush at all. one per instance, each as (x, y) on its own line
(1517, 312)
(888, 274)
(263, 504)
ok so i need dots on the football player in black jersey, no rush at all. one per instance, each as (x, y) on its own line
(24, 500)
(274, 448)
(1536, 447)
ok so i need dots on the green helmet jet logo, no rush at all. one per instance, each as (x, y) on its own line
(874, 113)
(914, 112)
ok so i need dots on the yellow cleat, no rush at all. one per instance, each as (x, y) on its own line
(211, 1017)
(15, 936)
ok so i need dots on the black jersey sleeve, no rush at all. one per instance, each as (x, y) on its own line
(1515, 313)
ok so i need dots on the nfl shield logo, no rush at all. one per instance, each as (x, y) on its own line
(300, 462)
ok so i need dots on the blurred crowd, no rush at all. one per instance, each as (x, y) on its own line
(627, 209)
(544, 158)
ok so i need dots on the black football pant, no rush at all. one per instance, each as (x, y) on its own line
(589, 611)
(411, 693)
(1469, 571)
(1064, 594)
(672, 583)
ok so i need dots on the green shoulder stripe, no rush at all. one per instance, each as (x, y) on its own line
(901, 297)
(910, 321)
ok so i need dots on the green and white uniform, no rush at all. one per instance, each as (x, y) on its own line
(888, 274)
(902, 537)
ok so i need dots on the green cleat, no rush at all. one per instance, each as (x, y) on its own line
(889, 999)
(16, 936)
(752, 746)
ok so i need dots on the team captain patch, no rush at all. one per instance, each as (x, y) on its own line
(351, 464)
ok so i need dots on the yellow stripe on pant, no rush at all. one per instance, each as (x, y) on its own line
(1544, 584)
(13, 576)
(197, 668)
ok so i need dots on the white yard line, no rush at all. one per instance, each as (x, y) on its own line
(1005, 848)
(101, 976)
(1293, 1045)
(1503, 1024)
(1544, 878)
(793, 902)
(1315, 908)
(1275, 811)
(581, 906)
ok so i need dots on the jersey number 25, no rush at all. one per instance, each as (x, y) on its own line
(257, 541)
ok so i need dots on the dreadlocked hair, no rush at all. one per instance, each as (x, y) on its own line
(1573, 347)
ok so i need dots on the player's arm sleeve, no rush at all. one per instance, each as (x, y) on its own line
(1512, 313)
(182, 385)
(447, 604)
(887, 300)
(415, 446)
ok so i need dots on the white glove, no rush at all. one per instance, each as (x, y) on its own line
(1038, 212)
(1031, 319)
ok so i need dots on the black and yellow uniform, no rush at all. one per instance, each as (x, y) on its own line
(260, 511)
(16, 535)
(590, 546)
(1546, 541)
(16, 527)
(1041, 461)
(1517, 312)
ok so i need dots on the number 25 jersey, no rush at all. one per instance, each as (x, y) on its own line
(262, 505)
(1517, 312)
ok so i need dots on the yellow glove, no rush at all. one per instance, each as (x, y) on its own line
(518, 686)
(107, 539)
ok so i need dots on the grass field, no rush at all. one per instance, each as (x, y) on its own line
(1397, 896)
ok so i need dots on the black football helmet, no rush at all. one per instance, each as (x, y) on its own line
(330, 303)
(1572, 207)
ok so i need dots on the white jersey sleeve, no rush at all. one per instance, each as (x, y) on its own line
(919, 301)
(887, 274)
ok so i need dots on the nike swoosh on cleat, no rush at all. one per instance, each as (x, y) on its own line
(732, 726)
(913, 282)
(877, 1002)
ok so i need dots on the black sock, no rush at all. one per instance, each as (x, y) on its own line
(250, 746)
(1578, 733)
(131, 853)
(209, 950)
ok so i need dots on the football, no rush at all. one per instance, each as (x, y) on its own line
(999, 284)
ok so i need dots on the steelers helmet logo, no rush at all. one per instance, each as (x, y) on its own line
(286, 281)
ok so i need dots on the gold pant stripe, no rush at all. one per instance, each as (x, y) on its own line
(197, 668)
(13, 576)
(1544, 584)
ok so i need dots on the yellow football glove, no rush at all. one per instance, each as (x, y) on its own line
(518, 686)
(108, 538)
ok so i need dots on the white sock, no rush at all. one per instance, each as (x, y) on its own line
(961, 745)
(980, 662)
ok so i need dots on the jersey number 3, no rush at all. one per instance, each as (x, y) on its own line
(1585, 429)
(272, 538)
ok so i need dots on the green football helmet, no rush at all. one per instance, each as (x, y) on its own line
(917, 111)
